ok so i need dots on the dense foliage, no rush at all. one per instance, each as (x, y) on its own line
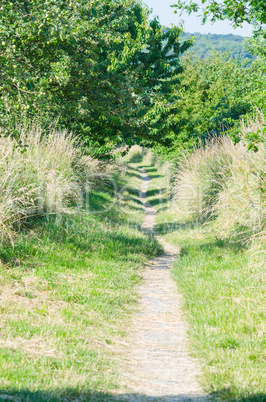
(67, 59)
(237, 11)
(106, 72)
(90, 65)
(209, 97)
(204, 97)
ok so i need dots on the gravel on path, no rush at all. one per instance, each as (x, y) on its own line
(156, 364)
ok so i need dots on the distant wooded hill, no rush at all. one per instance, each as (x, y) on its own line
(223, 43)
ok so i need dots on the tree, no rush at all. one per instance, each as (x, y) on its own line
(207, 98)
(159, 65)
(237, 11)
(69, 60)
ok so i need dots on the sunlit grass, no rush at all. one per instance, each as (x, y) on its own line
(67, 290)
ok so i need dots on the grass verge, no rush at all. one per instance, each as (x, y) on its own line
(67, 289)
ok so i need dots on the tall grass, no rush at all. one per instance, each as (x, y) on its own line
(226, 184)
(241, 203)
(41, 174)
(200, 177)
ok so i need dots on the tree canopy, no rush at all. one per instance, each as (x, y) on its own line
(237, 11)
(91, 65)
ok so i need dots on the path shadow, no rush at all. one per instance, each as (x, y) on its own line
(169, 227)
(145, 178)
(131, 174)
(149, 169)
(133, 191)
(158, 201)
(72, 395)
(136, 200)
(224, 244)
(154, 176)
(153, 192)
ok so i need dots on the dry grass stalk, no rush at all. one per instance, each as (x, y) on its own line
(42, 174)
(226, 184)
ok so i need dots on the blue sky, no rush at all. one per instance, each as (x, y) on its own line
(192, 23)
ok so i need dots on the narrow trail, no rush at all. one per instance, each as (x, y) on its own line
(157, 365)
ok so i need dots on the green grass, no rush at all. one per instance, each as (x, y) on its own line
(224, 302)
(67, 290)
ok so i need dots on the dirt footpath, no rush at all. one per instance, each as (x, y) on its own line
(157, 365)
